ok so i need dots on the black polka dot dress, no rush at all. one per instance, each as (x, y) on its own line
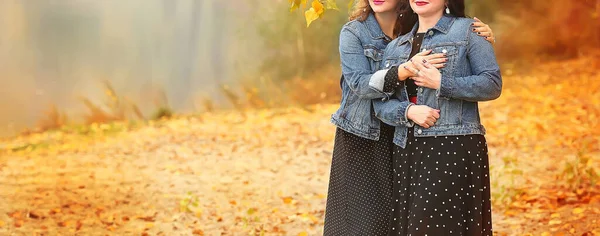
(359, 200)
(441, 186)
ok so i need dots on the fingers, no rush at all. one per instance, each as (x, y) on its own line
(435, 56)
(476, 19)
(419, 65)
(438, 63)
(428, 64)
(483, 29)
(423, 53)
(478, 25)
(484, 34)
(426, 116)
(435, 114)
(431, 120)
(428, 122)
(412, 69)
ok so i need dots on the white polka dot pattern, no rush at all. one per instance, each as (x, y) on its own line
(359, 200)
(442, 187)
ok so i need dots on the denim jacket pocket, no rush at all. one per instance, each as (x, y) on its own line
(375, 56)
(451, 51)
(450, 111)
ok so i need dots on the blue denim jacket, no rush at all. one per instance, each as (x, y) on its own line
(361, 53)
(471, 75)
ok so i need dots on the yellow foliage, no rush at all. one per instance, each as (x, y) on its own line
(314, 12)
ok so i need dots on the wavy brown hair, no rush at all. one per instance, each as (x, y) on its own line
(362, 10)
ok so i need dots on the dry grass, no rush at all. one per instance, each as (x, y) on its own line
(319, 87)
(54, 119)
(115, 107)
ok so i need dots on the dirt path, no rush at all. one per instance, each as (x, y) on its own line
(267, 171)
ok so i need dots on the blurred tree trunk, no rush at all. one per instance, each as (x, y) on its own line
(187, 52)
(218, 39)
(169, 8)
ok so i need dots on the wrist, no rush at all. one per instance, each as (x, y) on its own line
(409, 110)
(403, 73)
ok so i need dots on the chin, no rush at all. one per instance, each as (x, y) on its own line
(422, 12)
(381, 9)
(426, 12)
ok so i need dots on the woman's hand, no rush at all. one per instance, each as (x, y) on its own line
(422, 115)
(405, 70)
(427, 75)
(483, 30)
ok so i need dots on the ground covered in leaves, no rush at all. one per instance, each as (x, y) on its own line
(265, 172)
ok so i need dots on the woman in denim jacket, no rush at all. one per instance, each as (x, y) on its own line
(441, 182)
(359, 198)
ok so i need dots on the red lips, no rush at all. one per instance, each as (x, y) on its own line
(421, 3)
(378, 2)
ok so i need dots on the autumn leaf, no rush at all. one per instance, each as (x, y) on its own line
(554, 222)
(18, 223)
(287, 200)
(303, 233)
(331, 5)
(318, 6)
(314, 12)
(63, 223)
(310, 15)
(295, 4)
(578, 211)
(251, 211)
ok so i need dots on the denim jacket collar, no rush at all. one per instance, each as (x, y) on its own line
(443, 25)
(374, 28)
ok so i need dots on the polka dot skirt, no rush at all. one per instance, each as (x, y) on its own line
(442, 187)
(359, 198)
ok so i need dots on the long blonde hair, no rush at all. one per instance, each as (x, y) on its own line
(362, 10)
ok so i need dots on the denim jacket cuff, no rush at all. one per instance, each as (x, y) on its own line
(406, 121)
(377, 80)
(445, 90)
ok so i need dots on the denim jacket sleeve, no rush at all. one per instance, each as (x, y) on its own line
(484, 84)
(356, 67)
(393, 112)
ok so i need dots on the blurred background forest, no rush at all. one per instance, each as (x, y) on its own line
(87, 61)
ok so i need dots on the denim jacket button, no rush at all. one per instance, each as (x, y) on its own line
(430, 33)
(387, 64)
(444, 51)
(419, 131)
